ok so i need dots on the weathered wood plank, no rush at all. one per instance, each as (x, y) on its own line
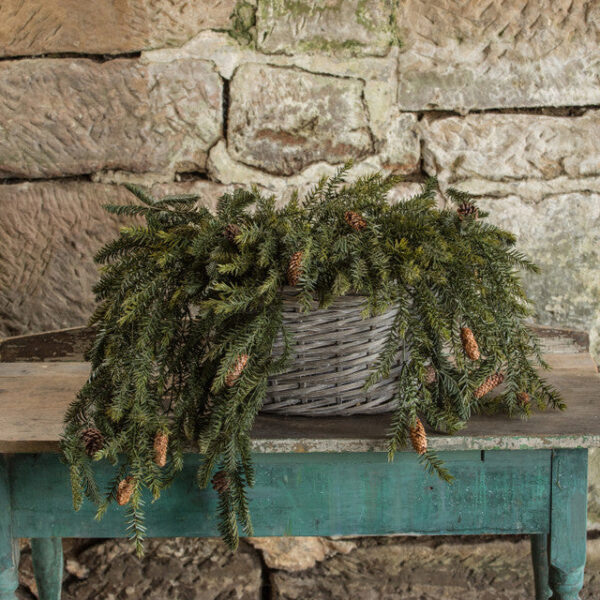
(70, 344)
(568, 523)
(61, 345)
(34, 397)
(9, 546)
(47, 556)
(312, 494)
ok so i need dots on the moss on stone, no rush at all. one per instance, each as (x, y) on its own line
(243, 23)
(362, 14)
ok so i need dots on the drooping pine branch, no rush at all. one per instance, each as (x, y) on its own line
(189, 309)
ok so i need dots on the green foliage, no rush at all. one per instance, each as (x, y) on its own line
(181, 300)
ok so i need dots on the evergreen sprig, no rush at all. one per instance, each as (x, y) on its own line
(183, 296)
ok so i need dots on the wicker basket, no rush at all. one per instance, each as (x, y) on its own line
(334, 351)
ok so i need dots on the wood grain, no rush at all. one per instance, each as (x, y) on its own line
(34, 397)
(310, 494)
(70, 344)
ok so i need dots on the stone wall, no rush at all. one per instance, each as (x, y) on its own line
(500, 98)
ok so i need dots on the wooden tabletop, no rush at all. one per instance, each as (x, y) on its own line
(34, 396)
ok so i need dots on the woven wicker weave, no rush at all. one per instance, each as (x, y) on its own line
(334, 351)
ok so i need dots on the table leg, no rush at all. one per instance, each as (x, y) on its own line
(47, 558)
(539, 557)
(9, 546)
(568, 523)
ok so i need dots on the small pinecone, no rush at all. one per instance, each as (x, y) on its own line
(231, 231)
(418, 437)
(93, 440)
(355, 220)
(124, 490)
(523, 398)
(295, 268)
(220, 481)
(467, 209)
(430, 375)
(469, 343)
(161, 442)
(236, 370)
(489, 384)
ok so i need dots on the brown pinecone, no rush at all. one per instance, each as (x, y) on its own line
(93, 440)
(430, 375)
(523, 398)
(355, 220)
(231, 231)
(295, 268)
(418, 437)
(489, 384)
(161, 442)
(220, 481)
(236, 370)
(124, 490)
(469, 343)
(467, 209)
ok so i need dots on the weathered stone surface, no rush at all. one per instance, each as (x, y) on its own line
(488, 568)
(416, 570)
(462, 55)
(70, 116)
(533, 190)
(482, 568)
(104, 26)
(224, 169)
(198, 569)
(393, 131)
(54, 230)
(298, 553)
(378, 73)
(282, 120)
(400, 151)
(562, 235)
(347, 26)
(512, 146)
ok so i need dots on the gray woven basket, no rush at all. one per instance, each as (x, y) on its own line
(334, 351)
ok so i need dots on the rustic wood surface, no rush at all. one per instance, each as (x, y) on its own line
(308, 494)
(34, 397)
(70, 344)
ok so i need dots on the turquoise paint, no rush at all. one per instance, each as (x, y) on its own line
(9, 547)
(47, 556)
(541, 492)
(568, 523)
(313, 494)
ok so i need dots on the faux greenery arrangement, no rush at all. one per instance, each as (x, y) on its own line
(190, 307)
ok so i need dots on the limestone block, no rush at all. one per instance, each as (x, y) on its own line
(461, 55)
(52, 232)
(501, 147)
(104, 26)
(177, 568)
(298, 553)
(562, 235)
(415, 569)
(351, 27)
(71, 116)
(282, 120)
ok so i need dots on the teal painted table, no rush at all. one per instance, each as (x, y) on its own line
(321, 477)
